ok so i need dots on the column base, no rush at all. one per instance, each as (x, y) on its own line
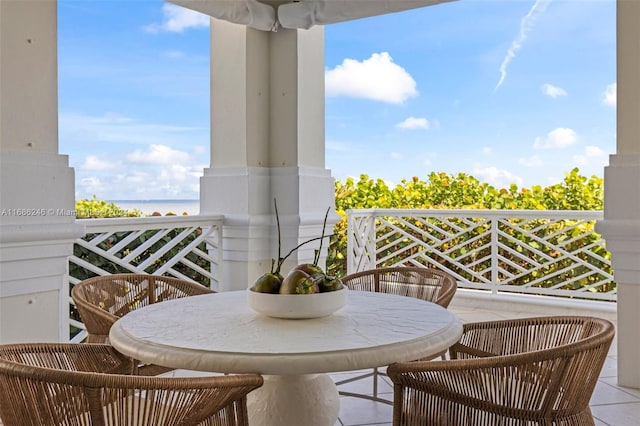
(245, 196)
(296, 400)
(37, 233)
(621, 231)
(628, 335)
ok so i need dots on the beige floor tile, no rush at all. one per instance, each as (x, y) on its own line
(605, 394)
(610, 368)
(358, 412)
(613, 381)
(618, 414)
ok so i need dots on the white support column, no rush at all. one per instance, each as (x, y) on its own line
(267, 141)
(621, 224)
(36, 184)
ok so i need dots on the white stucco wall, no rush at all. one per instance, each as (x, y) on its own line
(36, 183)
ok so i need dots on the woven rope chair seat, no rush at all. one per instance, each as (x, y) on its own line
(102, 300)
(51, 384)
(427, 284)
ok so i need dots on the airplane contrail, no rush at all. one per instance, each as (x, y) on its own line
(526, 25)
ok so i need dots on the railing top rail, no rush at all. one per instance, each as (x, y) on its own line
(151, 222)
(536, 214)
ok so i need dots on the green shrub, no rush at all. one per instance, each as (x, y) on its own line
(94, 209)
(449, 191)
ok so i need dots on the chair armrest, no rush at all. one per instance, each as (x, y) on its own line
(96, 320)
(496, 383)
(513, 336)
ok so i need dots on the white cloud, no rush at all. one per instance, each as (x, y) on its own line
(146, 166)
(177, 173)
(610, 96)
(412, 123)
(341, 147)
(174, 54)
(137, 178)
(594, 151)
(487, 150)
(177, 19)
(561, 137)
(592, 156)
(553, 91)
(533, 161)
(199, 149)
(377, 78)
(395, 156)
(114, 127)
(89, 186)
(158, 154)
(526, 25)
(142, 181)
(114, 118)
(91, 162)
(580, 160)
(496, 177)
(428, 158)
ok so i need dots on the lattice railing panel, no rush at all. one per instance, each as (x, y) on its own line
(561, 255)
(184, 247)
(460, 245)
(540, 252)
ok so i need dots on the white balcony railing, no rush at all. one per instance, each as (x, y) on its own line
(555, 253)
(186, 247)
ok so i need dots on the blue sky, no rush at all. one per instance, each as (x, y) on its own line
(505, 90)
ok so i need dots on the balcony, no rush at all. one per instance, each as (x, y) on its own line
(190, 248)
(36, 177)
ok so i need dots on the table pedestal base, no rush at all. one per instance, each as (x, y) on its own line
(295, 400)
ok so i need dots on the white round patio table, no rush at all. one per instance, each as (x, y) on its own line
(220, 333)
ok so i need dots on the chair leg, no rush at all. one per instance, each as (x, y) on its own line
(374, 374)
(375, 382)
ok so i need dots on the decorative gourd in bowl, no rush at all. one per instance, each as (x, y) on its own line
(306, 291)
(297, 306)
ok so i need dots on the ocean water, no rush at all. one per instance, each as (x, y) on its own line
(191, 207)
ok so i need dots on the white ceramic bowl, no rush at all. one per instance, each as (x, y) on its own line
(297, 306)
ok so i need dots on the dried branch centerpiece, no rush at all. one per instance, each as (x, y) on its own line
(306, 291)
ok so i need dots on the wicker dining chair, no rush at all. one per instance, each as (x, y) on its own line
(531, 371)
(428, 284)
(102, 300)
(65, 384)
